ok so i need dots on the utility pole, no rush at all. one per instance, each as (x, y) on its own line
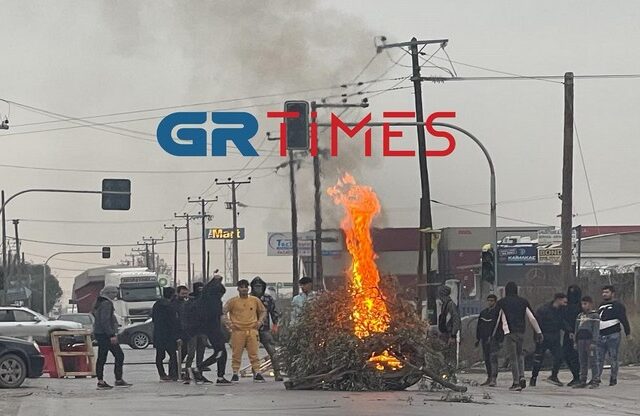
(4, 233)
(146, 253)
(152, 241)
(567, 181)
(203, 215)
(140, 252)
(426, 221)
(318, 273)
(133, 259)
(187, 218)
(233, 205)
(175, 229)
(15, 227)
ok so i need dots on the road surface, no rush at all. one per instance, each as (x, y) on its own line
(45, 396)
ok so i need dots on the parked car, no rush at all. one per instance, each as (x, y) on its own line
(19, 359)
(85, 319)
(138, 336)
(19, 322)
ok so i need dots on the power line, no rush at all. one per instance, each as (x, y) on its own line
(133, 172)
(584, 167)
(486, 213)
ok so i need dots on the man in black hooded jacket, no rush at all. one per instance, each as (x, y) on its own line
(571, 312)
(166, 329)
(259, 290)
(515, 311)
(205, 319)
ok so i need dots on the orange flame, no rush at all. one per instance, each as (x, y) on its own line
(361, 204)
(369, 313)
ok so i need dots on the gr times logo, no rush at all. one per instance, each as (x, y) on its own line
(190, 133)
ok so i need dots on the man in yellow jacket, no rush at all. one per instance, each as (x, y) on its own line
(244, 315)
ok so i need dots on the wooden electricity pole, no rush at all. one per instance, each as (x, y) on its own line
(567, 182)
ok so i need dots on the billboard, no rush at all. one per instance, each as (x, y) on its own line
(224, 233)
(517, 253)
(279, 243)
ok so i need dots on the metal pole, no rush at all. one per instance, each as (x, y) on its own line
(188, 253)
(294, 225)
(204, 241)
(313, 265)
(5, 277)
(44, 287)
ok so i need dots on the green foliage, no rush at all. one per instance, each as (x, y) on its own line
(30, 276)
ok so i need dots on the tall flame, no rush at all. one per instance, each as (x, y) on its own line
(361, 205)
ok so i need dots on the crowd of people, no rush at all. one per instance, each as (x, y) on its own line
(184, 323)
(569, 327)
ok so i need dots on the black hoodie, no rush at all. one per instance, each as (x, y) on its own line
(166, 326)
(516, 310)
(268, 302)
(205, 311)
(573, 309)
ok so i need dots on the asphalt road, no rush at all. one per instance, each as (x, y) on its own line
(45, 396)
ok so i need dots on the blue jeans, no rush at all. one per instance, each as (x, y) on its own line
(609, 344)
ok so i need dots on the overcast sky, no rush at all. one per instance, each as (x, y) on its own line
(82, 59)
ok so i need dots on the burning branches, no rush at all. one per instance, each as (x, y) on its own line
(364, 336)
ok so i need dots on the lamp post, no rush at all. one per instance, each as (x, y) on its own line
(106, 253)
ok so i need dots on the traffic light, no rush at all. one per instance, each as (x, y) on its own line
(297, 127)
(106, 252)
(488, 270)
(116, 194)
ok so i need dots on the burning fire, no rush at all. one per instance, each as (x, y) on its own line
(369, 313)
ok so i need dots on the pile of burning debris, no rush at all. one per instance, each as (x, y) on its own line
(364, 336)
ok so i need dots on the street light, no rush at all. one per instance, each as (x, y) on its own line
(105, 252)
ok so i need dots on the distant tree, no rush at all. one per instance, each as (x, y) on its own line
(30, 276)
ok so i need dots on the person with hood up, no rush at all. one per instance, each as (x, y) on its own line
(166, 329)
(514, 312)
(270, 324)
(105, 329)
(571, 312)
(449, 325)
(205, 315)
(196, 344)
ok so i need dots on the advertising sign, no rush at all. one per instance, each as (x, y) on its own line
(279, 244)
(224, 233)
(517, 253)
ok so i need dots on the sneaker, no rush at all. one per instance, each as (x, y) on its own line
(235, 378)
(204, 369)
(257, 378)
(515, 387)
(221, 381)
(613, 382)
(493, 383)
(199, 378)
(579, 385)
(486, 383)
(594, 385)
(165, 378)
(103, 385)
(533, 381)
(554, 380)
(122, 383)
(278, 378)
(594, 382)
(523, 383)
(574, 382)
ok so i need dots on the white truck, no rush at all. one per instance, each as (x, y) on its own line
(138, 290)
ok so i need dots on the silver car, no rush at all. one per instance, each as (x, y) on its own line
(19, 322)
